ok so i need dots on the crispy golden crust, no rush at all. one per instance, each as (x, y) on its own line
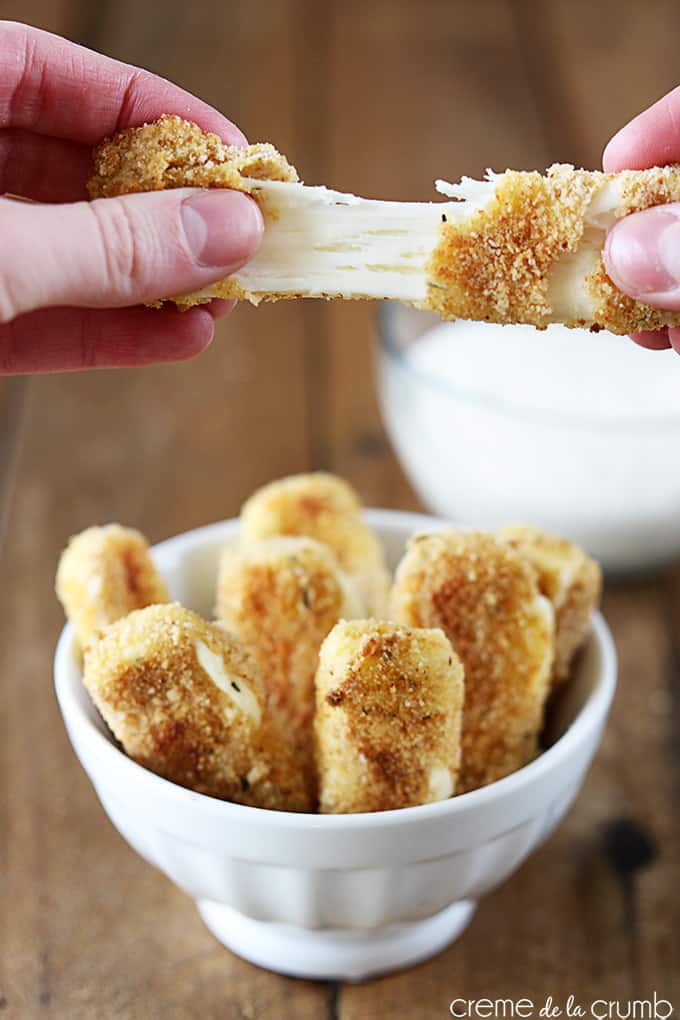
(569, 578)
(103, 574)
(484, 597)
(389, 702)
(281, 596)
(174, 153)
(496, 266)
(187, 701)
(326, 508)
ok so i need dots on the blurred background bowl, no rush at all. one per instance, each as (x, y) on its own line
(570, 430)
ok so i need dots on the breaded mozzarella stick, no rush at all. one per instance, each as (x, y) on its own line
(281, 596)
(518, 247)
(187, 701)
(389, 702)
(569, 578)
(485, 598)
(324, 507)
(103, 574)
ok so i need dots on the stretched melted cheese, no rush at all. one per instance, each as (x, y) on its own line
(518, 247)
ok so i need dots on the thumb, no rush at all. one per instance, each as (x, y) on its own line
(642, 256)
(122, 251)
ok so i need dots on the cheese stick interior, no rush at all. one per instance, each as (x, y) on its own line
(517, 247)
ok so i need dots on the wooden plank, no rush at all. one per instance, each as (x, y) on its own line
(449, 98)
(88, 929)
(593, 66)
(61, 16)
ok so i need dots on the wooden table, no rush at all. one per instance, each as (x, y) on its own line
(379, 97)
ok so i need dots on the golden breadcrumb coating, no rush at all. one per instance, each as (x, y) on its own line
(174, 153)
(485, 598)
(281, 596)
(187, 701)
(104, 573)
(389, 705)
(495, 267)
(569, 578)
(326, 508)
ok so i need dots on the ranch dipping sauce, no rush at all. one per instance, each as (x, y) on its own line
(573, 431)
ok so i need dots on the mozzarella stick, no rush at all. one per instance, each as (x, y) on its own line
(187, 701)
(569, 578)
(103, 574)
(326, 508)
(517, 247)
(485, 598)
(389, 701)
(281, 596)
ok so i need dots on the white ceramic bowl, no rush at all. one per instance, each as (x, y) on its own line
(339, 896)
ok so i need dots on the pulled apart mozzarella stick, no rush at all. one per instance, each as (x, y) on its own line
(518, 247)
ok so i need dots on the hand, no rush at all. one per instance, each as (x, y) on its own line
(73, 273)
(642, 254)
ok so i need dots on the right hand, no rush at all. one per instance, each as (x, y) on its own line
(642, 254)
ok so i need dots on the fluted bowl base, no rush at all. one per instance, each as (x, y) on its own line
(334, 953)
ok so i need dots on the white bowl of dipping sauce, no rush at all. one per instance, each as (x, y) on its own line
(576, 432)
(335, 896)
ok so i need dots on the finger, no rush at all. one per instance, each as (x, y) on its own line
(122, 251)
(53, 86)
(650, 139)
(653, 340)
(64, 339)
(42, 168)
(642, 256)
(218, 308)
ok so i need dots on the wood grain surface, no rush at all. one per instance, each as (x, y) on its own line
(378, 98)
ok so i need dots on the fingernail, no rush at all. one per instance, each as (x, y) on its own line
(642, 253)
(222, 228)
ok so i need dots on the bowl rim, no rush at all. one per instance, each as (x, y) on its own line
(580, 421)
(67, 675)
